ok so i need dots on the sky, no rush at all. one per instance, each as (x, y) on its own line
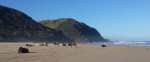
(116, 20)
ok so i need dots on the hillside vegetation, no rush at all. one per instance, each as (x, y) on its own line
(18, 27)
(74, 30)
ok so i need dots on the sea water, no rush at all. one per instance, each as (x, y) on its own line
(126, 43)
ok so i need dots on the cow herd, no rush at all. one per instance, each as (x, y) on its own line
(25, 50)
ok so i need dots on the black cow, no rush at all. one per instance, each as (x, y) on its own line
(64, 44)
(56, 43)
(29, 45)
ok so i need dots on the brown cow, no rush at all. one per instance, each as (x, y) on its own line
(72, 44)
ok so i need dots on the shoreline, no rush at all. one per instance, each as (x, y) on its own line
(82, 53)
(125, 45)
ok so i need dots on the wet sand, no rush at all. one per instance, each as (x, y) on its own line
(82, 53)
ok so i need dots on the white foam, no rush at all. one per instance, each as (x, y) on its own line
(129, 42)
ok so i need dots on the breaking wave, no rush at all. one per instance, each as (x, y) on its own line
(127, 43)
(130, 42)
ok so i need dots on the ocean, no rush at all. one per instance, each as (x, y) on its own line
(126, 43)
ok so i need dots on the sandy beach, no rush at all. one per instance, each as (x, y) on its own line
(82, 53)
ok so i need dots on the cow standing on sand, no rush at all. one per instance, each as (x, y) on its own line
(29, 45)
(72, 44)
(56, 43)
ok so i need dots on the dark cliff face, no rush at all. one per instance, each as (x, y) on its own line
(17, 26)
(75, 30)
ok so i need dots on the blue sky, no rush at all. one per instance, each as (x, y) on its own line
(127, 20)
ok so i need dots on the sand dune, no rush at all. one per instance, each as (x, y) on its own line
(83, 53)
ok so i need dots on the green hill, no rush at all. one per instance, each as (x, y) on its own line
(18, 27)
(74, 30)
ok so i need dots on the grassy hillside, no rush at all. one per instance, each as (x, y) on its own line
(74, 30)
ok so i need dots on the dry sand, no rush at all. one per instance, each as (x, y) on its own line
(83, 53)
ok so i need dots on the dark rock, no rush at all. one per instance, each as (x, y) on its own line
(23, 50)
(104, 46)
